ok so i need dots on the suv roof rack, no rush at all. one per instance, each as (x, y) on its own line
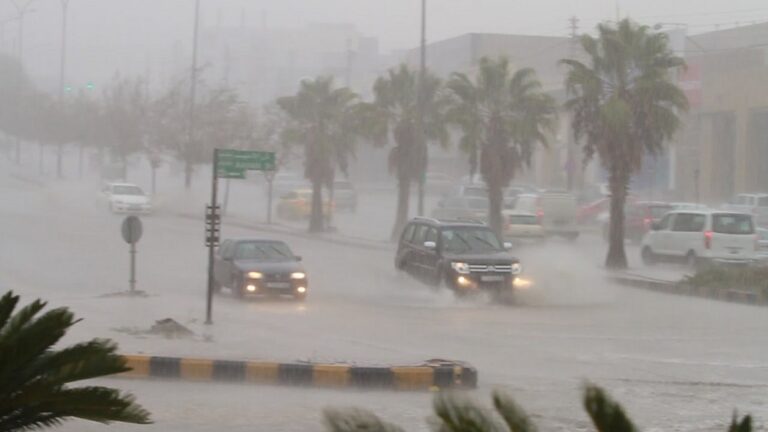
(426, 219)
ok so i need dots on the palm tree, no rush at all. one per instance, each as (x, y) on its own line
(624, 106)
(322, 119)
(457, 413)
(35, 378)
(502, 115)
(396, 105)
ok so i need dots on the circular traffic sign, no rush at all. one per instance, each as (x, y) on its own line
(132, 229)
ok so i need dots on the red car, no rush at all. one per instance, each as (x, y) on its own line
(588, 213)
(639, 217)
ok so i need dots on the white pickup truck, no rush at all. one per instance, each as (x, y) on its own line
(755, 204)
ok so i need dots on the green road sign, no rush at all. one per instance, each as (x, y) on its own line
(234, 163)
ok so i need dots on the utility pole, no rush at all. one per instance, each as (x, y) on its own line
(63, 65)
(420, 133)
(570, 151)
(192, 96)
(21, 9)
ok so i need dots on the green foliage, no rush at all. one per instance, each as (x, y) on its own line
(503, 115)
(606, 414)
(35, 378)
(323, 120)
(356, 420)
(623, 106)
(455, 412)
(725, 278)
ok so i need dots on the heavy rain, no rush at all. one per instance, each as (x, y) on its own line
(300, 215)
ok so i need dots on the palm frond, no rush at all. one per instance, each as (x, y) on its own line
(606, 414)
(356, 420)
(514, 416)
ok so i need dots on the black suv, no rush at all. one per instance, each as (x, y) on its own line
(465, 256)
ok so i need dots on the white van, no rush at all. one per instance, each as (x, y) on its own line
(702, 237)
(556, 211)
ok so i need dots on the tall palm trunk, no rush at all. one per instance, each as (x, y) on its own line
(188, 175)
(316, 215)
(59, 157)
(495, 199)
(619, 182)
(403, 203)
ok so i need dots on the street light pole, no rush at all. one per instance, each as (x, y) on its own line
(22, 10)
(63, 65)
(421, 106)
(192, 96)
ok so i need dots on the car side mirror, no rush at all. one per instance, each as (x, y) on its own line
(507, 245)
(298, 258)
(430, 245)
(655, 226)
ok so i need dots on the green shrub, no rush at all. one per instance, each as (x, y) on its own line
(724, 278)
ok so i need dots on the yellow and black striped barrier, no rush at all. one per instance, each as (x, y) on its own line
(431, 375)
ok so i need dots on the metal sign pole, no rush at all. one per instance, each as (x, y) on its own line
(212, 243)
(133, 267)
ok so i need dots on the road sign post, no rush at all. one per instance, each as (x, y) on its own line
(227, 164)
(132, 231)
(270, 176)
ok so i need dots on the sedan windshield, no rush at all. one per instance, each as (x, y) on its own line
(127, 190)
(470, 240)
(263, 251)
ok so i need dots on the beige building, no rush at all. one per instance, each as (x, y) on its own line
(723, 149)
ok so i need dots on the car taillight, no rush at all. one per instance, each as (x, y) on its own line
(647, 222)
(708, 240)
(540, 215)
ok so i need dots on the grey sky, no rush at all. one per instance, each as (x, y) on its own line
(140, 26)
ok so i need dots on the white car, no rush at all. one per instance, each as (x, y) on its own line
(126, 198)
(701, 237)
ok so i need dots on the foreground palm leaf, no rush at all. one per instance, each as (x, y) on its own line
(34, 377)
(457, 413)
(624, 106)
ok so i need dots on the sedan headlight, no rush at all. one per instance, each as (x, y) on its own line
(298, 275)
(255, 275)
(460, 267)
(517, 268)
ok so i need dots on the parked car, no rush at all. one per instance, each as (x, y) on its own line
(518, 225)
(477, 190)
(286, 181)
(126, 198)
(701, 237)
(638, 219)
(762, 245)
(688, 206)
(257, 267)
(590, 213)
(344, 195)
(464, 257)
(753, 203)
(556, 210)
(297, 204)
(437, 183)
(459, 207)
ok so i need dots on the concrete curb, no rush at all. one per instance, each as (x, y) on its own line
(671, 287)
(431, 375)
(282, 229)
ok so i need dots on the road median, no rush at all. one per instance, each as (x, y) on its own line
(431, 375)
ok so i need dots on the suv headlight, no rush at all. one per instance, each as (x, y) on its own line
(298, 275)
(517, 268)
(460, 267)
(255, 275)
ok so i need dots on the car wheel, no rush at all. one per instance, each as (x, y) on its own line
(648, 257)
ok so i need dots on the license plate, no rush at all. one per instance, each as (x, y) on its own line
(734, 250)
(491, 278)
(278, 284)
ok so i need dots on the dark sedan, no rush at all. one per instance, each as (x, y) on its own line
(253, 267)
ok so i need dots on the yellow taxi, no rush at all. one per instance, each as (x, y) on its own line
(297, 204)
